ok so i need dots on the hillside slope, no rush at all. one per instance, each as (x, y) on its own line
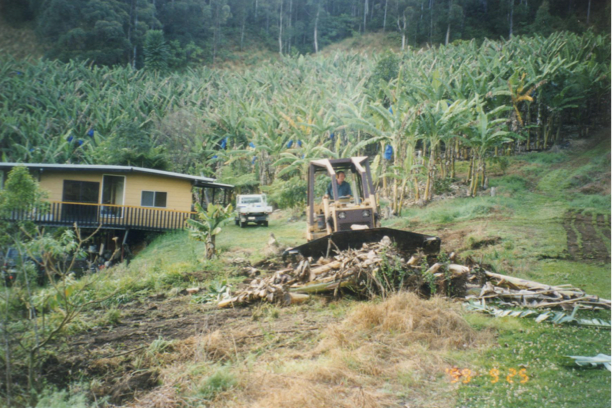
(155, 345)
(20, 42)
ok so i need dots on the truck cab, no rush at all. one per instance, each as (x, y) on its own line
(252, 208)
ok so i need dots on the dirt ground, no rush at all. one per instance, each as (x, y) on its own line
(114, 358)
(586, 236)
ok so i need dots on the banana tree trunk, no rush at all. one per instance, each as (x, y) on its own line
(210, 247)
(539, 127)
(469, 173)
(417, 193)
(384, 171)
(483, 167)
(528, 121)
(559, 125)
(395, 193)
(402, 197)
(547, 131)
(441, 160)
(454, 155)
(430, 174)
(478, 171)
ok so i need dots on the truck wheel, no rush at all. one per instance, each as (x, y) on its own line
(243, 224)
(237, 222)
(265, 223)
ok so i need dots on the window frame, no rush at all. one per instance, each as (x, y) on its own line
(123, 198)
(154, 197)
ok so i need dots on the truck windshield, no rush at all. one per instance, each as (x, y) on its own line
(250, 200)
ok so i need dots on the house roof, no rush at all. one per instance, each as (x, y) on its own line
(197, 181)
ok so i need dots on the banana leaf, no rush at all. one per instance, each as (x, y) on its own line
(552, 317)
(600, 359)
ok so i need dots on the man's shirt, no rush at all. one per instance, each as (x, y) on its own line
(344, 190)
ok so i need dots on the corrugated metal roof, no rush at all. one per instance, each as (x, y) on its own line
(197, 180)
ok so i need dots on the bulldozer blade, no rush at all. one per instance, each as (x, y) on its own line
(406, 241)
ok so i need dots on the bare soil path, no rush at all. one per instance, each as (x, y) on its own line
(588, 237)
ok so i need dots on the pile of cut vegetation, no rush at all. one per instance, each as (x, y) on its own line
(380, 268)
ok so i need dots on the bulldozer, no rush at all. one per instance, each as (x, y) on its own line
(336, 223)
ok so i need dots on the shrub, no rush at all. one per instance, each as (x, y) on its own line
(287, 194)
(221, 380)
(442, 186)
(511, 184)
(65, 399)
(113, 316)
(387, 68)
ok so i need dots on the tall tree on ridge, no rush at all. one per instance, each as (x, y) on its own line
(221, 12)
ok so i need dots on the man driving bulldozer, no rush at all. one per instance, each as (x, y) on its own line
(344, 189)
(352, 221)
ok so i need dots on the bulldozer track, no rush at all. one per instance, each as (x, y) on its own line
(588, 236)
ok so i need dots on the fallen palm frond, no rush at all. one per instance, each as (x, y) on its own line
(550, 316)
(603, 359)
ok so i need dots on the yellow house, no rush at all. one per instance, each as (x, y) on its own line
(116, 197)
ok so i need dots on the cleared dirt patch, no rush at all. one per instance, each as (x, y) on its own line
(484, 242)
(108, 353)
(136, 382)
(143, 322)
(389, 354)
(122, 361)
(588, 237)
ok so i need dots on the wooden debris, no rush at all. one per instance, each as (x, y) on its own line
(273, 247)
(522, 292)
(378, 268)
(414, 260)
(358, 268)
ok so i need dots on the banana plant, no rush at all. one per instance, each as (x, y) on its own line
(56, 112)
(296, 160)
(438, 122)
(208, 225)
(482, 134)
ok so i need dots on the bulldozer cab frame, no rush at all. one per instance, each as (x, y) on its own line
(341, 214)
(350, 224)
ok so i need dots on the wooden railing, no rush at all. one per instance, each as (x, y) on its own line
(105, 215)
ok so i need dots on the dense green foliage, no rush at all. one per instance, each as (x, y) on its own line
(20, 191)
(423, 108)
(116, 31)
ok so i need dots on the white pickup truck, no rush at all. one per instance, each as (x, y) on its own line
(252, 208)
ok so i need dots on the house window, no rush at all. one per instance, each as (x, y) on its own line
(153, 199)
